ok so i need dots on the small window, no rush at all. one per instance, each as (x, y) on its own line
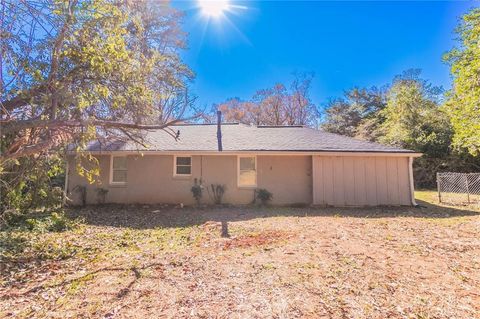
(119, 170)
(183, 165)
(247, 171)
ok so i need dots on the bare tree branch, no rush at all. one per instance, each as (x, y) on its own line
(15, 126)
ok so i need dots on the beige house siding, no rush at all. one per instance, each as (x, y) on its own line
(361, 180)
(288, 178)
(150, 179)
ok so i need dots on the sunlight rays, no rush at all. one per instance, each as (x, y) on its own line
(213, 8)
(216, 15)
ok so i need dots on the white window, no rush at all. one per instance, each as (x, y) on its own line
(247, 171)
(118, 173)
(183, 166)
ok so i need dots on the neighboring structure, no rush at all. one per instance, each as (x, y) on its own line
(298, 165)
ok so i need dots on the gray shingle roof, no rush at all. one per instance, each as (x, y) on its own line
(240, 137)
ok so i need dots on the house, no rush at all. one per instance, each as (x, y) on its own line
(298, 165)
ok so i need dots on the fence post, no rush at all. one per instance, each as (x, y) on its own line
(438, 188)
(468, 191)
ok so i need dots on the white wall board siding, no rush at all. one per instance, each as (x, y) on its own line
(361, 180)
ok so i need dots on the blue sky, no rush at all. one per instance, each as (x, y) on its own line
(345, 44)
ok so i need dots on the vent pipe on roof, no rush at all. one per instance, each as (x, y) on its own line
(219, 130)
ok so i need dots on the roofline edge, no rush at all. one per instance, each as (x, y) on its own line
(405, 153)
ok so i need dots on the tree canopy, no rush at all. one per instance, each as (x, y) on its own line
(412, 117)
(277, 105)
(74, 70)
(348, 115)
(463, 105)
(407, 113)
(77, 70)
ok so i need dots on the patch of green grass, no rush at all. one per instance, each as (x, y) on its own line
(54, 248)
(132, 241)
(430, 198)
(76, 285)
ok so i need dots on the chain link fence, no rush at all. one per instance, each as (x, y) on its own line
(458, 188)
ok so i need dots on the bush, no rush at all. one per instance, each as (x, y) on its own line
(197, 190)
(43, 223)
(58, 222)
(263, 195)
(30, 184)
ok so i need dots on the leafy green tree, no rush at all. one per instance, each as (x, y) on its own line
(349, 115)
(409, 114)
(341, 118)
(463, 105)
(413, 118)
(77, 70)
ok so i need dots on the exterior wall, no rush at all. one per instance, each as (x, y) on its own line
(222, 170)
(288, 178)
(361, 180)
(332, 180)
(150, 179)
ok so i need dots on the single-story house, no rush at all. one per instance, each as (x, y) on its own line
(298, 165)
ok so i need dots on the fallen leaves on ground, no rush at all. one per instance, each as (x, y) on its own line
(159, 261)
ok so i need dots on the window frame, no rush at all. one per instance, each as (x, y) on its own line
(111, 170)
(238, 171)
(175, 166)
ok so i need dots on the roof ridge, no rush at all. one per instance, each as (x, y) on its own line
(281, 126)
(204, 124)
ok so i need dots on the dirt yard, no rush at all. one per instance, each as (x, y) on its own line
(165, 262)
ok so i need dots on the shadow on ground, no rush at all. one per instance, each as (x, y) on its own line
(163, 216)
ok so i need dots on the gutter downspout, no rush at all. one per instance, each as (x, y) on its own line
(314, 173)
(412, 186)
(65, 188)
(219, 131)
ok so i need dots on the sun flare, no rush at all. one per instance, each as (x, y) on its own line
(213, 8)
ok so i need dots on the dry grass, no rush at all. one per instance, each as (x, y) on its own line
(452, 199)
(138, 262)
